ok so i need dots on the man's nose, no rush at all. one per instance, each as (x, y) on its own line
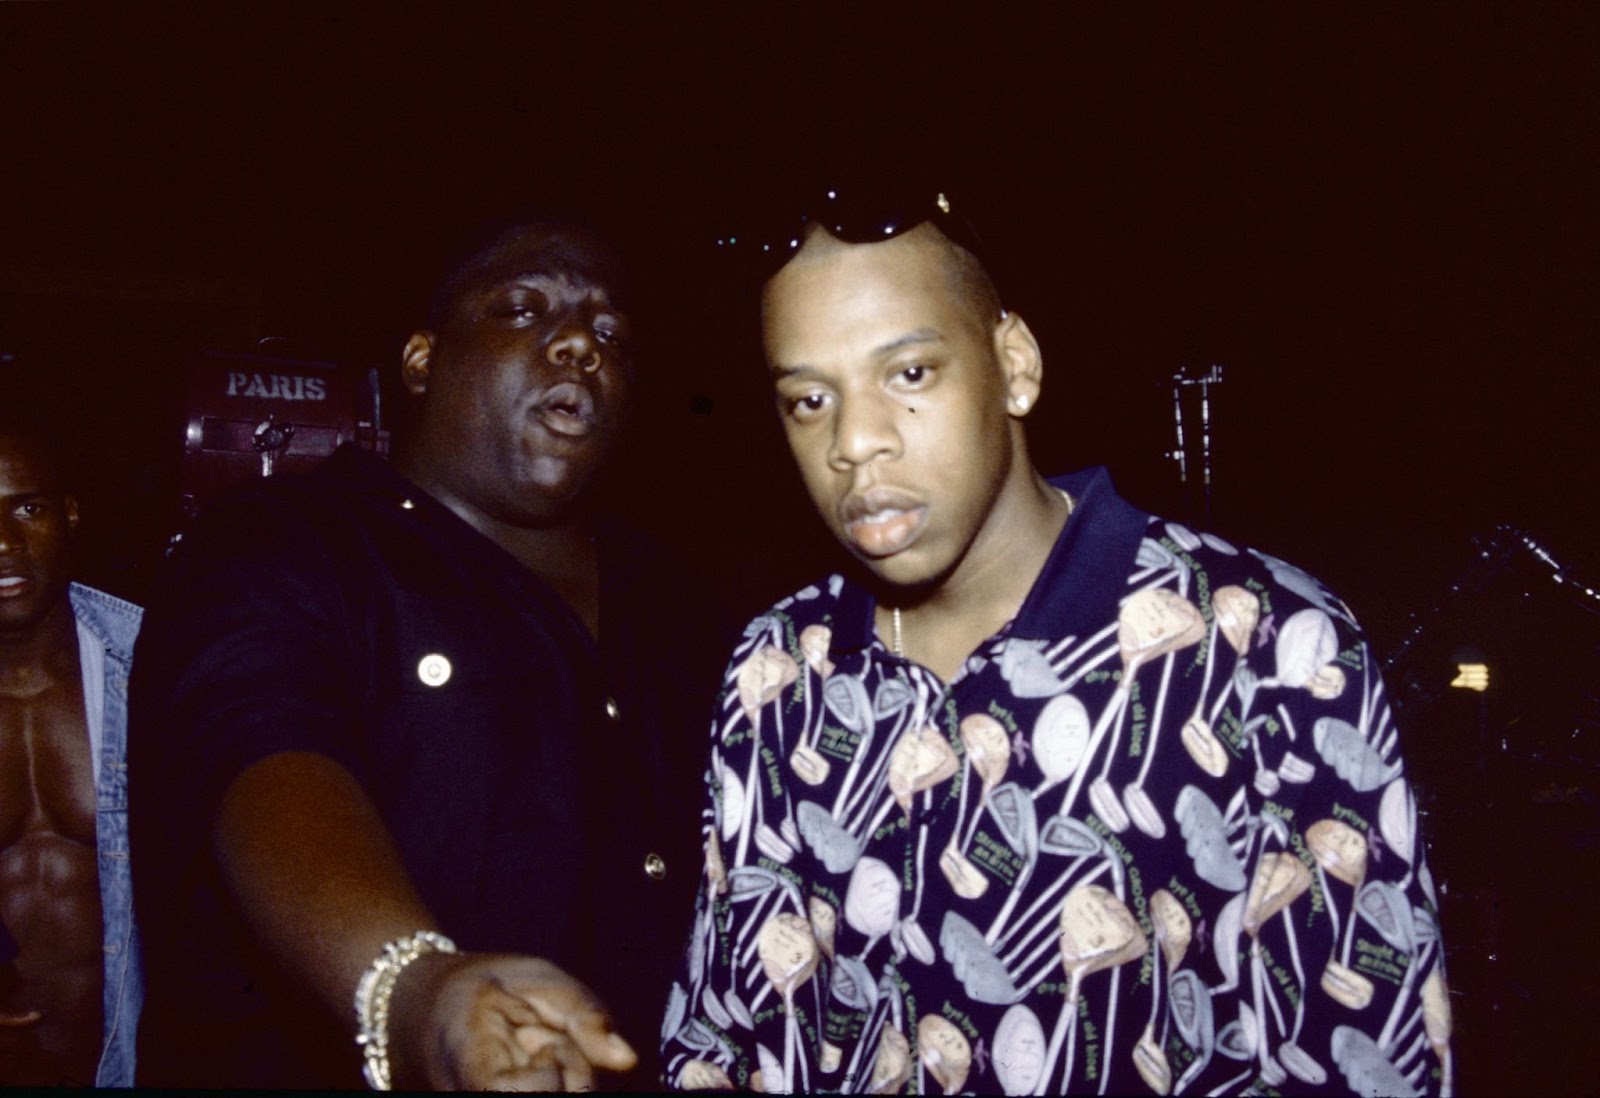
(10, 533)
(863, 431)
(575, 345)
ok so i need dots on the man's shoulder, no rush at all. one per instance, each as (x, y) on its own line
(1282, 589)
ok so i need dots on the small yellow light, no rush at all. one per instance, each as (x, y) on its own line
(1472, 676)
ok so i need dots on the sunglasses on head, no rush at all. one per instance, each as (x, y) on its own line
(855, 217)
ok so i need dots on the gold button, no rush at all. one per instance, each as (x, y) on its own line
(612, 710)
(655, 866)
(433, 669)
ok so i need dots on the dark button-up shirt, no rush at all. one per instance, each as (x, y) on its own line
(541, 788)
(1155, 836)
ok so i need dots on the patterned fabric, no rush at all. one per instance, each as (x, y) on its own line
(107, 627)
(1154, 837)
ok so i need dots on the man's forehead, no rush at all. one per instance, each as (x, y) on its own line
(26, 465)
(552, 252)
(901, 279)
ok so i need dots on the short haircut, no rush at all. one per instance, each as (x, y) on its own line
(973, 282)
(19, 422)
(968, 276)
(477, 251)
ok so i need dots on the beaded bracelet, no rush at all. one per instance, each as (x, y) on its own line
(375, 990)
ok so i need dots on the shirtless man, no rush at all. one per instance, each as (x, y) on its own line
(64, 652)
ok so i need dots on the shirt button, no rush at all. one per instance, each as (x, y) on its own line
(613, 711)
(433, 669)
(655, 866)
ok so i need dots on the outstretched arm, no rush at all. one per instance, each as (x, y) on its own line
(313, 867)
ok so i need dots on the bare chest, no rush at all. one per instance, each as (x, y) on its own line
(46, 770)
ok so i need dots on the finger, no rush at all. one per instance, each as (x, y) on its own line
(537, 1037)
(576, 1071)
(544, 1078)
(556, 1065)
(491, 1050)
(570, 1007)
(604, 1048)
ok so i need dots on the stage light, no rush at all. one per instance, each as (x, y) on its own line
(1472, 676)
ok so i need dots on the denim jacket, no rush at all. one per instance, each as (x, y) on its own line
(107, 627)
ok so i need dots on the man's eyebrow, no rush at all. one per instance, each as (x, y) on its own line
(556, 272)
(883, 350)
(781, 373)
(532, 274)
(919, 335)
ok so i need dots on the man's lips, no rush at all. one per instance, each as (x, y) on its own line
(567, 409)
(12, 585)
(882, 521)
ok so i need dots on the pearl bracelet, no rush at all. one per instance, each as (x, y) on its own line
(375, 990)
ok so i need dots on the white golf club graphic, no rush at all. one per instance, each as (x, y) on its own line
(1097, 932)
(1234, 613)
(789, 956)
(1341, 851)
(1280, 879)
(988, 750)
(805, 760)
(1173, 930)
(1019, 1050)
(761, 679)
(1151, 623)
(1060, 739)
(944, 1051)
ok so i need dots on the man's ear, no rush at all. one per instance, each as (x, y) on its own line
(1022, 362)
(415, 360)
(69, 504)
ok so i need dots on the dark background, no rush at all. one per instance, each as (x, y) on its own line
(1381, 223)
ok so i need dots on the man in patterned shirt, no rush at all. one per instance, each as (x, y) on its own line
(1047, 795)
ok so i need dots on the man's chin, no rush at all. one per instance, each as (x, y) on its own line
(21, 616)
(910, 575)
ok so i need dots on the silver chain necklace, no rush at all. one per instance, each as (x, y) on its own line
(897, 636)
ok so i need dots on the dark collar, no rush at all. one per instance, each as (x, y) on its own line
(1080, 585)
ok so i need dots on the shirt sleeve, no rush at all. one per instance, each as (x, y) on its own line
(747, 1003)
(1332, 965)
(243, 655)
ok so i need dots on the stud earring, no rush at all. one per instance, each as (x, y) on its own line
(1021, 401)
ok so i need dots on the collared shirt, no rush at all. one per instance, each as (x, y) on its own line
(541, 788)
(107, 627)
(1154, 836)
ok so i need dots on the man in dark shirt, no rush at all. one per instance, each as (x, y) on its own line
(443, 698)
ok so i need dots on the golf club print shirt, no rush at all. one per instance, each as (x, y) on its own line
(1154, 837)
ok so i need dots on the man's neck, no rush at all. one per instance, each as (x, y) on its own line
(942, 627)
(561, 554)
(564, 557)
(34, 657)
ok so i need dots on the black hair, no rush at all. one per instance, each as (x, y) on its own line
(22, 421)
(974, 282)
(968, 274)
(475, 250)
